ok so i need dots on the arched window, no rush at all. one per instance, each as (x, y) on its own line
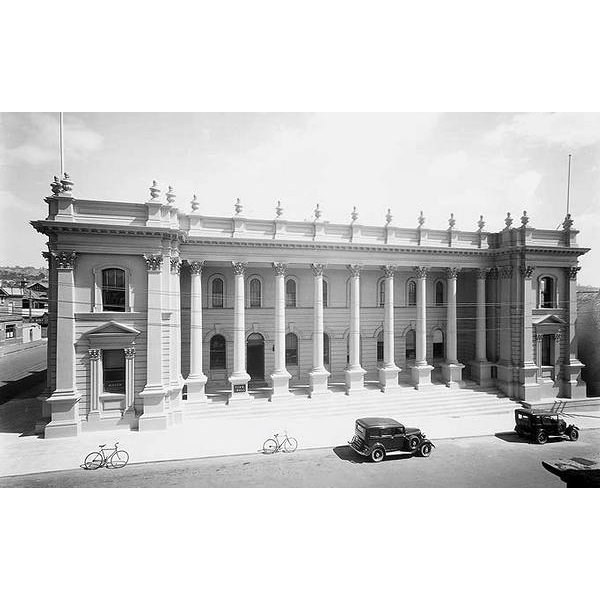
(439, 293)
(412, 292)
(255, 293)
(380, 353)
(381, 293)
(217, 293)
(291, 349)
(438, 344)
(113, 290)
(290, 293)
(217, 352)
(325, 294)
(325, 349)
(411, 345)
(546, 292)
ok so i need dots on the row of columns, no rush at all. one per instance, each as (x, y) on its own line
(354, 374)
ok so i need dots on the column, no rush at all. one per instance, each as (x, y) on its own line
(239, 378)
(504, 378)
(280, 377)
(421, 372)
(64, 401)
(481, 369)
(94, 412)
(528, 370)
(319, 374)
(196, 380)
(451, 369)
(354, 374)
(572, 385)
(388, 374)
(153, 395)
(176, 382)
(129, 380)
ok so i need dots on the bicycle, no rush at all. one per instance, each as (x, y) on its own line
(117, 460)
(272, 445)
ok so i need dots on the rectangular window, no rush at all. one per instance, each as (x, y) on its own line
(547, 343)
(113, 371)
(113, 290)
(10, 331)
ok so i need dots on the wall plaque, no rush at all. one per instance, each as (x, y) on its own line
(239, 388)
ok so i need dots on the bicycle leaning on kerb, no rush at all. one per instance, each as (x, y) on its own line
(288, 444)
(117, 458)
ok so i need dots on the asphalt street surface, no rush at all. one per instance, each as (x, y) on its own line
(19, 364)
(502, 460)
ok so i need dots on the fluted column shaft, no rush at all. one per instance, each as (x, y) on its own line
(421, 341)
(239, 321)
(279, 317)
(480, 341)
(318, 320)
(388, 323)
(196, 320)
(451, 354)
(355, 317)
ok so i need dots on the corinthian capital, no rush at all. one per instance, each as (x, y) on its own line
(505, 271)
(317, 269)
(421, 272)
(280, 269)
(175, 265)
(527, 271)
(64, 260)
(481, 273)
(388, 270)
(573, 272)
(452, 272)
(239, 268)
(153, 261)
(196, 267)
(354, 270)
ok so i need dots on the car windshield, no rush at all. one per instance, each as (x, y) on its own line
(360, 431)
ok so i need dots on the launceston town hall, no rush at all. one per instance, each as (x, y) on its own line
(154, 312)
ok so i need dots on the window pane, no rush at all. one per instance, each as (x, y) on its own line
(382, 292)
(254, 293)
(113, 290)
(217, 293)
(380, 353)
(217, 352)
(439, 293)
(325, 293)
(291, 349)
(412, 293)
(411, 345)
(113, 371)
(325, 348)
(290, 293)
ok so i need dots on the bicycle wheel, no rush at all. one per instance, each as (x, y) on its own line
(270, 446)
(93, 461)
(290, 444)
(119, 459)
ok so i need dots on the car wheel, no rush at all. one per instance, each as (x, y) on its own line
(377, 454)
(573, 434)
(425, 450)
(413, 442)
(541, 437)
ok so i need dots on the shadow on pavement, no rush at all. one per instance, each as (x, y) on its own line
(513, 438)
(575, 478)
(20, 414)
(346, 453)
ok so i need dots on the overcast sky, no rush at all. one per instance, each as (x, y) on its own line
(465, 163)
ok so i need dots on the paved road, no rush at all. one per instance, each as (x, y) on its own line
(17, 365)
(470, 462)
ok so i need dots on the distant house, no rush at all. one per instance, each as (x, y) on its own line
(11, 330)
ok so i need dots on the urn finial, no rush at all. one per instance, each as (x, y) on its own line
(195, 203)
(238, 207)
(451, 221)
(568, 222)
(524, 219)
(170, 195)
(354, 214)
(67, 184)
(481, 223)
(421, 219)
(56, 186)
(317, 212)
(508, 221)
(388, 216)
(278, 209)
(154, 190)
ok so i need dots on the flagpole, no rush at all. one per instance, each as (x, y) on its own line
(62, 152)
(569, 185)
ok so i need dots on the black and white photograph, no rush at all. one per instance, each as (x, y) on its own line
(318, 278)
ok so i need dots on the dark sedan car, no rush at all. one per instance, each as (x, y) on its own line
(376, 436)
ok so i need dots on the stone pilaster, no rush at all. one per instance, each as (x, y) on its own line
(572, 386)
(354, 374)
(94, 358)
(153, 395)
(64, 401)
(176, 380)
(388, 374)
(196, 380)
(451, 369)
(421, 372)
(239, 378)
(528, 370)
(280, 377)
(319, 375)
(481, 369)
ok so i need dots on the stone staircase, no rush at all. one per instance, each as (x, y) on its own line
(406, 404)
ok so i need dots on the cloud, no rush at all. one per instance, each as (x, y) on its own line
(38, 139)
(570, 130)
(450, 165)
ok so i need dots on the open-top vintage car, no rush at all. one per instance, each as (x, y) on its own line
(540, 425)
(376, 436)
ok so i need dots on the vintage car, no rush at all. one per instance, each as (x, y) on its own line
(540, 425)
(376, 436)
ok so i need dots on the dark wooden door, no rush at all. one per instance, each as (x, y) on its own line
(255, 357)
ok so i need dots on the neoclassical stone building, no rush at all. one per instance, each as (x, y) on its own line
(151, 307)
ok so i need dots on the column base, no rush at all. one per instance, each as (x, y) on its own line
(195, 389)
(176, 415)
(452, 374)
(318, 383)
(154, 416)
(530, 389)
(281, 386)
(239, 387)
(64, 408)
(421, 376)
(572, 386)
(388, 378)
(355, 380)
(481, 372)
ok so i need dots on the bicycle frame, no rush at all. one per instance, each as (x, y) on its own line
(106, 458)
(280, 444)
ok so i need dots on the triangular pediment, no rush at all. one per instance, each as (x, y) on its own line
(549, 320)
(112, 327)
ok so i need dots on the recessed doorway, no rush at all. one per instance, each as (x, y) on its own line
(255, 357)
